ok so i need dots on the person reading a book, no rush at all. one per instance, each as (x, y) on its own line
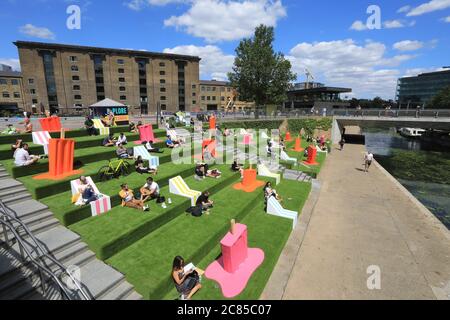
(187, 282)
(128, 199)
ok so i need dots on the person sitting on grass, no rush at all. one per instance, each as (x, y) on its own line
(122, 152)
(270, 192)
(132, 128)
(22, 157)
(171, 144)
(142, 169)
(204, 202)
(122, 140)
(186, 283)
(10, 130)
(237, 168)
(150, 190)
(90, 128)
(86, 191)
(128, 199)
(17, 145)
(109, 141)
(150, 148)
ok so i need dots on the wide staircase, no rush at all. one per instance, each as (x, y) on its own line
(131, 243)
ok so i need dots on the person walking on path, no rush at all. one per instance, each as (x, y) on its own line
(342, 143)
(368, 159)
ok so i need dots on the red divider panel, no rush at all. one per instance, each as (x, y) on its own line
(298, 145)
(146, 134)
(52, 124)
(249, 183)
(312, 155)
(288, 136)
(212, 123)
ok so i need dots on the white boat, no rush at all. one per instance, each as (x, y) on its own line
(411, 132)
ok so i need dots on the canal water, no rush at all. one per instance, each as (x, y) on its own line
(421, 167)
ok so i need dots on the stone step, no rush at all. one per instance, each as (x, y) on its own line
(100, 278)
(123, 290)
(16, 198)
(134, 296)
(10, 183)
(23, 287)
(4, 175)
(36, 219)
(11, 190)
(35, 229)
(27, 208)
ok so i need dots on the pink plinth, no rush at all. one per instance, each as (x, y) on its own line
(146, 134)
(237, 264)
(247, 139)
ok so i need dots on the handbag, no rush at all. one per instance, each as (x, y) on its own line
(161, 199)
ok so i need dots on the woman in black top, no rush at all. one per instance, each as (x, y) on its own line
(142, 169)
(187, 283)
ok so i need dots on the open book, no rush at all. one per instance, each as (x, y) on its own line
(189, 267)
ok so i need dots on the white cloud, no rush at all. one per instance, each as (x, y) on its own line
(393, 24)
(447, 19)
(219, 20)
(37, 32)
(364, 68)
(416, 71)
(358, 26)
(404, 9)
(138, 5)
(14, 63)
(214, 64)
(408, 45)
(431, 6)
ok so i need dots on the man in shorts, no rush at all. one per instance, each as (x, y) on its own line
(368, 159)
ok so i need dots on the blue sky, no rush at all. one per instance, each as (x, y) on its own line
(330, 38)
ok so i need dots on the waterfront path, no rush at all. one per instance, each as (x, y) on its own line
(362, 220)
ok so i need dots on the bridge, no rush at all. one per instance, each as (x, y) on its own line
(388, 121)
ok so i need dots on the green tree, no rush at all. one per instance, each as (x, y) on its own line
(259, 73)
(442, 99)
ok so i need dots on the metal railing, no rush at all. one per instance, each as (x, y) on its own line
(32, 251)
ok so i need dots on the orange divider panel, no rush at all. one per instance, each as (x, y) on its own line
(312, 155)
(249, 182)
(146, 134)
(212, 123)
(60, 161)
(288, 136)
(298, 145)
(51, 124)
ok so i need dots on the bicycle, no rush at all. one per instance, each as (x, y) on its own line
(114, 169)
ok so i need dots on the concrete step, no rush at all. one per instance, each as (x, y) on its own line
(36, 229)
(8, 184)
(4, 175)
(8, 192)
(17, 198)
(134, 296)
(36, 219)
(100, 278)
(123, 290)
(27, 208)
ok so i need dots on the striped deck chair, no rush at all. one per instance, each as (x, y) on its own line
(42, 138)
(179, 187)
(143, 152)
(98, 124)
(263, 171)
(285, 157)
(98, 207)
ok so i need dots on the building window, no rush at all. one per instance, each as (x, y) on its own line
(229, 89)
(214, 98)
(163, 98)
(34, 101)
(76, 78)
(76, 88)
(203, 88)
(32, 91)
(208, 89)
(163, 107)
(162, 73)
(120, 61)
(15, 82)
(222, 98)
(213, 88)
(162, 81)
(194, 94)
(123, 98)
(162, 64)
(194, 102)
(16, 95)
(30, 81)
(194, 87)
(74, 68)
(5, 94)
(222, 89)
(121, 70)
(3, 81)
(100, 89)
(73, 58)
(122, 89)
(203, 98)
(121, 79)
(162, 89)
(208, 98)
(77, 97)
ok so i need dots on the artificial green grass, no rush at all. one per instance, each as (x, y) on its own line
(123, 230)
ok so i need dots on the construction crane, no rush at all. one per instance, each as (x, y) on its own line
(309, 76)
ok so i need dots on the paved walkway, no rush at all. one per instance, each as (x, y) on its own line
(362, 220)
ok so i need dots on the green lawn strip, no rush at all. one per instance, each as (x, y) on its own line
(60, 203)
(121, 230)
(81, 157)
(147, 263)
(267, 232)
(43, 188)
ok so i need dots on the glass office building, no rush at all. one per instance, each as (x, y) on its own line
(420, 90)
